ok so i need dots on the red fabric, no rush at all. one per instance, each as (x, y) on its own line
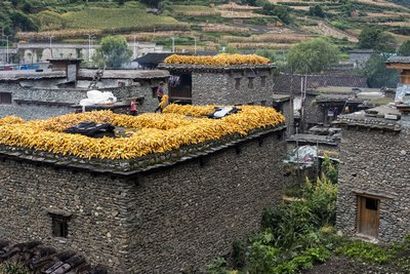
(133, 106)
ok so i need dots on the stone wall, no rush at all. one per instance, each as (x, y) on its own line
(375, 163)
(232, 88)
(163, 221)
(286, 84)
(64, 97)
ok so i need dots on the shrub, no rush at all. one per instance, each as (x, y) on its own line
(404, 49)
(262, 255)
(321, 201)
(217, 266)
(13, 268)
(238, 254)
(364, 251)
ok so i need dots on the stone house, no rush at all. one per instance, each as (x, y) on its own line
(34, 95)
(323, 105)
(359, 57)
(374, 194)
(234, 85)
(202, 84)
(164, 213)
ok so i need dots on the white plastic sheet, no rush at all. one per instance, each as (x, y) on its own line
(96, 97)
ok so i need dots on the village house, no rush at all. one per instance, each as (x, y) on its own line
(323, 105)
(33, 95)
(228, 84)
(207, 84)
(373, 198)
(143, 205)
(374, 194)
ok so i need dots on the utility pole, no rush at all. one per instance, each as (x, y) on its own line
(7, 48)
(51, 44)
(90, 39)
(173, 44)
(134, 48)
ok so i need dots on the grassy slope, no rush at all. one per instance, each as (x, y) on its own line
(108, 17)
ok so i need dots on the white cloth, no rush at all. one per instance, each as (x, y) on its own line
(96, 97)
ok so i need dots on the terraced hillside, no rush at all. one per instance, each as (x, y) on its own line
(274, 24)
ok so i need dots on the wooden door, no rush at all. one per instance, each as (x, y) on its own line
(368, 216)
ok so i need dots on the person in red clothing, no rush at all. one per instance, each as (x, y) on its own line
(133, 108)
(160, 91)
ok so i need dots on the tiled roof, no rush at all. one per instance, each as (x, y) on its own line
(38, 258)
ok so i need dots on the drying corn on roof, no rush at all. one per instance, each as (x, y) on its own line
(217, 60)
(146, 134)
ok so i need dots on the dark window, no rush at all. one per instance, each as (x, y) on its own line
(250, 83)
(372, 204)
(263, 81)
(237, 83)
(59, 225)
(154, 92)
(5, 98)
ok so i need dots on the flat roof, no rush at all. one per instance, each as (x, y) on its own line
(386, 117)
(398, 60)
(344, 89)
(151, 139)
(125, 74)
(15, 75)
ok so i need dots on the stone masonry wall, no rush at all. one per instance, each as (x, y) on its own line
(282, 82)
(203, 209)
(374, 162)
(66, 95)
(164, 221)
(221, 88)
(97, 228)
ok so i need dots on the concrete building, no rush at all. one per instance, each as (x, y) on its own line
(34, 95)
(162, 213)
(29, 53)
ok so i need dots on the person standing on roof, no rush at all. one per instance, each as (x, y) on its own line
(163, 104)
(133, 108)
(160, 91)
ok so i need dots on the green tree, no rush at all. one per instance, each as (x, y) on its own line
(378, 75)
(313, 56)
(375, 38)
(114, 52)
(151, 3)
(317, 11)
(281, 12)
(404, 49)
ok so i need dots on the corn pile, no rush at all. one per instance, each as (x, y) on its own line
(151, 133)
(11, 120)
(217, 60)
